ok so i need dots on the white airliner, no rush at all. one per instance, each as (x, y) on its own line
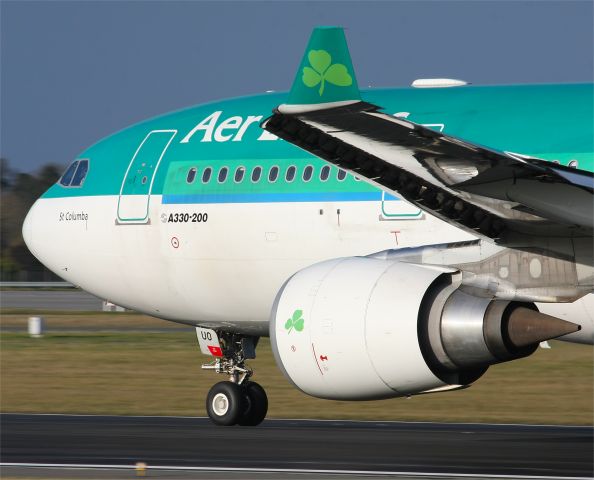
(386, 251)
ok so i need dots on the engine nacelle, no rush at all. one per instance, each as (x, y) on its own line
(362, 328)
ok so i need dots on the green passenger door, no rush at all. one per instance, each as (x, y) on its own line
(134, 201)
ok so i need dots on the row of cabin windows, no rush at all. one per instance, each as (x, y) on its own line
(75, 174)
(274, 171)
(258, 173)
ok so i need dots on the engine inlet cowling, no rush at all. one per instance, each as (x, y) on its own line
(364, 328)
(347, 329)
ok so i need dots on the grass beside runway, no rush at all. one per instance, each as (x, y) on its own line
(145, 373)
(83, 321)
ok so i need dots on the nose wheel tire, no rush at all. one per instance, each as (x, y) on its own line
(228, 403)
(255, 405)
(225, 403)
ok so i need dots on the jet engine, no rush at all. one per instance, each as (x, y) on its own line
(362, 329)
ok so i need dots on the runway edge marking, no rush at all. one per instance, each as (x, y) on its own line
(75, 466)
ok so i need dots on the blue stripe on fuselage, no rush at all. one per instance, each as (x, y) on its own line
(275, 197)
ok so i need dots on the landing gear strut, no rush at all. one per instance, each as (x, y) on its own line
(238, 401)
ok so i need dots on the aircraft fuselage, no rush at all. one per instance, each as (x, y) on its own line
(199, 216)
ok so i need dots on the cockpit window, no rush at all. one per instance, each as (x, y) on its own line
(81, 173)
(68, 174)
(75, 174)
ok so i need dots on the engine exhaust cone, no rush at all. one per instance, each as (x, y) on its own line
(528, 327)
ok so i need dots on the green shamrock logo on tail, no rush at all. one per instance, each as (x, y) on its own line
(295, 322)
(322, 70)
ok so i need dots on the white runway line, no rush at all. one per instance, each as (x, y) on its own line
(74, 466)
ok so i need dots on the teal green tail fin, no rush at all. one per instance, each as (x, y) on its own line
(326, 73)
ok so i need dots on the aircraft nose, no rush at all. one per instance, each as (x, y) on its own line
(29, 229)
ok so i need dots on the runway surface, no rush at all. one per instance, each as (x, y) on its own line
(48, 300)
(299, 445)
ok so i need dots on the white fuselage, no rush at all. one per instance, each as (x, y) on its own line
(224, 272)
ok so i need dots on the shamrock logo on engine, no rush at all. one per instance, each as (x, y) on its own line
(295, 322)
(322, 70)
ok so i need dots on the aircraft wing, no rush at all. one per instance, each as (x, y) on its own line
(494, 194)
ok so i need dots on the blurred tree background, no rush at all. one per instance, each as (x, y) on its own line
(18, 191)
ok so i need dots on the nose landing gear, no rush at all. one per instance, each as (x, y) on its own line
(238, 401)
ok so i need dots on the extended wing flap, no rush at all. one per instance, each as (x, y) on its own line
(488, 192)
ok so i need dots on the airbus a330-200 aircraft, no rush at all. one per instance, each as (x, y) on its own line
(391, 242)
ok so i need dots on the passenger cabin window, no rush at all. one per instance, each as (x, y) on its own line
(206, 174)
(191, 175)
(573, 164)
(256, 174)
(324, 173)
(239, 174)
(341, 175)
(307, 173)
(290, 175)
(75, 174)
(223, 174)
(273, 174)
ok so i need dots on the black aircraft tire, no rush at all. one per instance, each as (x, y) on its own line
(225, 403)
(256, 405)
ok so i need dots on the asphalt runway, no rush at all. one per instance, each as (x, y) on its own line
(298, 446)
(47, 300)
